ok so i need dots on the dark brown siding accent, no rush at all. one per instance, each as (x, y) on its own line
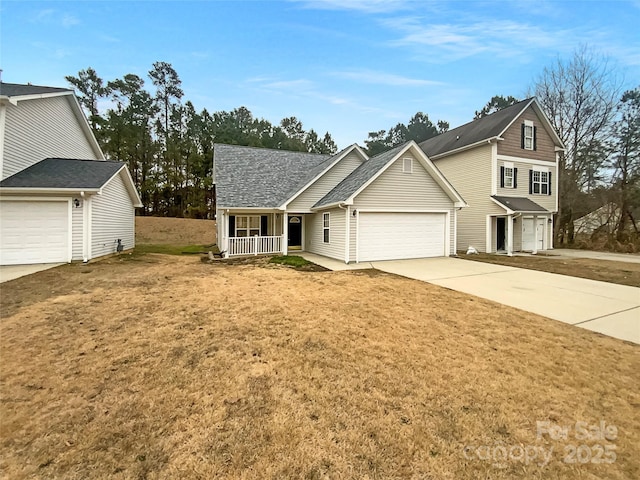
(512, 143)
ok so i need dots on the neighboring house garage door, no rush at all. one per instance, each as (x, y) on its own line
(34, 232)
(394, 236)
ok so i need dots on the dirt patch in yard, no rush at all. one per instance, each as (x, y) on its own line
(175, 231)
(157, 366)
(622, 273)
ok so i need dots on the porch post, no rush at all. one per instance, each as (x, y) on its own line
(535, 234)
(550, 232)
(285, 233)
(510, 235)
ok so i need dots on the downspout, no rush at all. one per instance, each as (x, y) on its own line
(347, 228)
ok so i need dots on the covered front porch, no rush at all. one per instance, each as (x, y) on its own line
(524, 226)
(259, 232)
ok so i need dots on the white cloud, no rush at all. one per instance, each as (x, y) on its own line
(51, 16)
(364, 6)
(69, 20)
(384, 78)
(503, 38)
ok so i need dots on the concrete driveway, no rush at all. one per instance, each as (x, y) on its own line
(607, 308)
(11, 272)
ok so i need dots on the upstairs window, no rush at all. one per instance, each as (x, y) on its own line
(540, 182)
(407, 165)
(325, 227)
(528, 135)
(508, 176)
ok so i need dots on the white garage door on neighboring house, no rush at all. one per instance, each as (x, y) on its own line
(34, 232)
(533, 237)
(394, 236)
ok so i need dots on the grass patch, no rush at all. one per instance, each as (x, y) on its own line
(622, 273)
(175, 249)
(172, 368)
(290, 260)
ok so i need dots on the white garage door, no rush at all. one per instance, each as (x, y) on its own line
(393, 236)
(532, 236)
(34, 232)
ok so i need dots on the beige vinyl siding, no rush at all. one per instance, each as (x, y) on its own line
(399, 191)
(326, 183)
(337, 234)
(77, 237)
(42, 128)
(112, 219)
(546, 201)
(517, 234)
(512, 143)
(470, 174)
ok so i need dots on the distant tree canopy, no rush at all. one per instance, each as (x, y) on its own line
(168, 145)
(419, 129)
(496, 104)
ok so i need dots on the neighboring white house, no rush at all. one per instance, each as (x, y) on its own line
(345, 206)
(505, 165)
(60, 200)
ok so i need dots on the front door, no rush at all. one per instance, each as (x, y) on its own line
(500, 234)
(295, 232)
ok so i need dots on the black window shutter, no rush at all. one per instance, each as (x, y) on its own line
(232, 225)
(515, 178)
(263, 225)
(535, 137)
(530, 182)
(549, 187)
(522, 136)
(501, 177)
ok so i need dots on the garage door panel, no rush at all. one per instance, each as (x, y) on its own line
(34, 232)
(391, 236)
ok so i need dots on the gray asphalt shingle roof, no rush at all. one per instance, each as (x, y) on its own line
(18, 89)
(473, 132)
(358, 178)
(262, 177)
(64, 173)
(519, 204)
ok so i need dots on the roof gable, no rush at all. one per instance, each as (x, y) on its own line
(366, 173)
(253, 177)
(337, 158)
(485, 129)
(71, 174)
(64, 173)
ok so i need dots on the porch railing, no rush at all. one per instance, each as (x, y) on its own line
(254, 245)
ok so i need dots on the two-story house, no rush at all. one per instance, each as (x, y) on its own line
(505, 167)
(60, 200)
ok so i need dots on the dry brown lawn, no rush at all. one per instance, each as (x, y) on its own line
(623, 273)
(175, 231)
(166, 367)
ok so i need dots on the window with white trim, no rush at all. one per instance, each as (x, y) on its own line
(508, 177)
(528, 133)
(247, 225)
(326, 221)
(540, 183)
(407, 165)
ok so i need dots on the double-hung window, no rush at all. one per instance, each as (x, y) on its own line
(540, 182)
(247, 226)
(528, 135)
(326, 222)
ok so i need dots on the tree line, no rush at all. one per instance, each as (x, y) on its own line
(168, 145)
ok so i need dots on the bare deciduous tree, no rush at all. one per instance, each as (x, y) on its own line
(579, 96)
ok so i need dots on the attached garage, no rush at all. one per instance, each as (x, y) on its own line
(61, 210)
(395, 236)
(34, 232)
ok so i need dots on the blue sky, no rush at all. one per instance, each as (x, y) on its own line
(343, 66)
